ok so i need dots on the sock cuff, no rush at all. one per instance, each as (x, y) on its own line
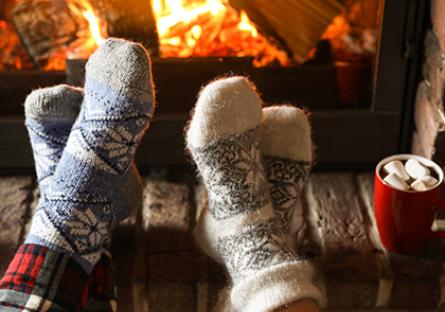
(277, 286)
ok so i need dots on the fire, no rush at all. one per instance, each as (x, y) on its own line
(12, 53)
(204, 28)
(91, 33)
(78, 34)
(96, 30)
(246, 25)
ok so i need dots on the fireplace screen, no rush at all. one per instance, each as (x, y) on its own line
(334, 57)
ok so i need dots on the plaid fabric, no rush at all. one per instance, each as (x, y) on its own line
(102, 296)
(40, 279)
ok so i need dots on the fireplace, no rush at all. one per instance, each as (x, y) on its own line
(352, 63)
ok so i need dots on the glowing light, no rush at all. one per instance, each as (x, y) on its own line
(94, 25)
(210, 28)
(96, 33)
(247, 25)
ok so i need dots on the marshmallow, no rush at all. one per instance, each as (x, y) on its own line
(415, 169)
(396, 181)
(418, 186)
(396, 167)
(428, 181)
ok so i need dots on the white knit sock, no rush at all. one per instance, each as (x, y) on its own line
(239, 228)
(286, 147)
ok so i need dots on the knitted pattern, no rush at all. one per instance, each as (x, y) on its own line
(50, 114)
(239, 199)
(81, 205)
(286, 146)
(285, 178)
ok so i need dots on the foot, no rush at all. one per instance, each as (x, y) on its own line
(80, 209)
(286, 147)
(50, 114)
(239, 229)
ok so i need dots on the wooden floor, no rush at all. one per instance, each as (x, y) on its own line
(158, 268)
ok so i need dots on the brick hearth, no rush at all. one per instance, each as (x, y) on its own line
(159, 269)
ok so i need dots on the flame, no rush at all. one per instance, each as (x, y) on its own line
(94, 26)
(12, 54)
(246, 24)
(204, 28)
(86, 45)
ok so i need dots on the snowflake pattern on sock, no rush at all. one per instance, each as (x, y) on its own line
(246, 236)
(48, 140)
(233, 174)
(285, 178)
(255, 248)
(86, 177)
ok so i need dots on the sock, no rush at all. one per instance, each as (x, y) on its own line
(80, 210)
(49, 116)
(286, 147)
(239, 229)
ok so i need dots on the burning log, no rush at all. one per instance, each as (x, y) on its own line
(133, 20)
(46, 29)
(298, 23)
(53, 30)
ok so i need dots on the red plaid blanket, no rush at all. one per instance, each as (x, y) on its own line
(42, 279)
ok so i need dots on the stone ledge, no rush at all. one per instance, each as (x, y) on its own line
(16, 197)
(338, 207)
(166, 216)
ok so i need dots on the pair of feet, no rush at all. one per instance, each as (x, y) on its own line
(252, 161)
(84, 143)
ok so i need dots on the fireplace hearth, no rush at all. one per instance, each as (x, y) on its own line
(360, 103)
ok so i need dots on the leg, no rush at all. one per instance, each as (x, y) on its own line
(50, 114)
(287, 150)
(79, 210)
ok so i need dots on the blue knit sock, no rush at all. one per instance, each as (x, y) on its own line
(80, 208)
(50, 114)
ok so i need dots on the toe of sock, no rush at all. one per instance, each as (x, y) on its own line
(286, 133)
(123, 66)
(61, 102)
(225, 107)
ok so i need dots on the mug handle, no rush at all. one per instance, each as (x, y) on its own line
(440, 204)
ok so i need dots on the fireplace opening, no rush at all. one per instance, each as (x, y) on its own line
(341, 40)
(329, 56)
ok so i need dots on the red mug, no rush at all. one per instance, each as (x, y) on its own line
(404, 218)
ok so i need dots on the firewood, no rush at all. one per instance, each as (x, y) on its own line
(297, 23)
(133, 20)
(46, 28)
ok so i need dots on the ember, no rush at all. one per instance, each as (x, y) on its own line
(12, 54)
(211, 28)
